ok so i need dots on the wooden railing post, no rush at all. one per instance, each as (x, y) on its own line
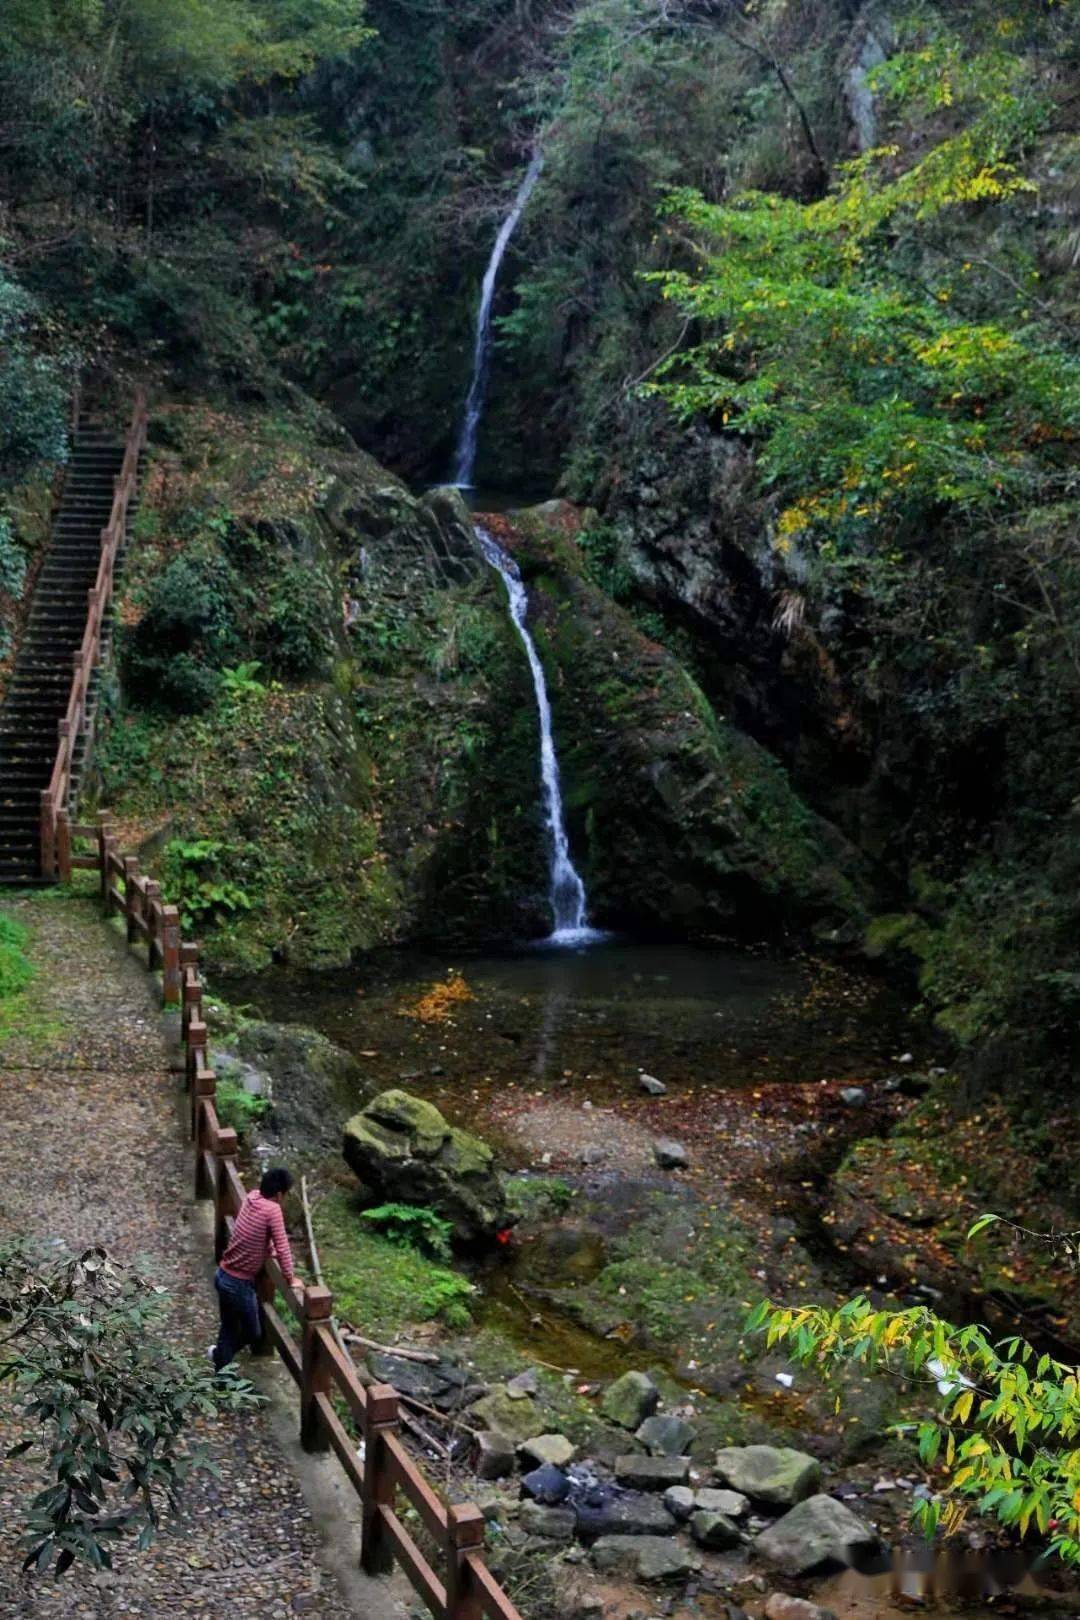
(48, 835)
(315, 1375)
(196, 1045)
(131, 897)
(204, 1089)
(465, 1535)
(225, 1157)
(63, 846)
(170, 955)
(152, 915)
(103, 824)
(380, 1419)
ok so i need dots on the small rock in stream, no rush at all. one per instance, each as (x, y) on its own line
(630, 1400)
(679, 1501)
(666, 1436)
(651, 1473)
(553, 1523)
(495, 1455)
(525, 1383)
(853, 1096)
(645, 1558)
(782, 1607)
(670, 1155)
(714, 1530)
(731, 1503)
(546, 1484)
(651, 1085)
(553, 1449)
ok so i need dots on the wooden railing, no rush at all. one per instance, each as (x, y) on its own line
(336, 1412)
(55, 831)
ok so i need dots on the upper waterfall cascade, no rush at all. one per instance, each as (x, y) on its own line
(465, 455)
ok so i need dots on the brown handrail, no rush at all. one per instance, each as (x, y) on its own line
(336, 1412)
(55, 839)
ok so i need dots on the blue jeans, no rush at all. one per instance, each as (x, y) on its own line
(241, 1320)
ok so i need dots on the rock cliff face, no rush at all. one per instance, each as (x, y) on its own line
(691, 534)
(681, 821)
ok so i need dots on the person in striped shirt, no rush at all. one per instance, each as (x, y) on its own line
(258, 1234)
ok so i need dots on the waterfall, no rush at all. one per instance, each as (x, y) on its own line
(465, 455)
(566, 890)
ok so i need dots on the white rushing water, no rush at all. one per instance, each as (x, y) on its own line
(465, 455)
(566, 890)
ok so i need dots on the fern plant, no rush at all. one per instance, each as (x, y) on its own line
(417, 1227)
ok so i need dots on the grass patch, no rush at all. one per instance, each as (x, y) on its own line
(20, 1015)
(16, 970)
(380, 1286)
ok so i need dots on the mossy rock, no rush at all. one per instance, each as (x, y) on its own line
(404, 1151)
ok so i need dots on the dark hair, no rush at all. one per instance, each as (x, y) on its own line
(274, 1182)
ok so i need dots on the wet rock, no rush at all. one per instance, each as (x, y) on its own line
(666, 1436)
(402, 1148)
(630, 1400)
(523, 1385)
(853, 1096)
(630, 1514)
(714, 1530)
(546, 1484)
(817, 1534)
(670, 1155)
(731, 1503)
(442, 1385)
(594, 1155)
(494, 1455)
(651, 1473)
(553, 1523)
(782, 1607)
(771, 1476)
(555, 1450)
(514, 1419)
(651, 1085)
(645, 1558)
(679, 1501)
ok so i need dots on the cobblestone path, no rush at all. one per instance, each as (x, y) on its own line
(91, 1151)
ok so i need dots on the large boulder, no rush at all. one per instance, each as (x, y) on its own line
(402, 1148)
(771, 1476)
(819, 1533)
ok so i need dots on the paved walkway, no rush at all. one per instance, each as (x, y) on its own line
(92, 1151)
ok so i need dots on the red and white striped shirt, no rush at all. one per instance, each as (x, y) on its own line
(258, 1232)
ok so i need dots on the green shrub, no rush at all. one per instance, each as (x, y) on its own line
(188, 632)
(192, 871)
(12, 560)
(295, 636)
(238, 1109)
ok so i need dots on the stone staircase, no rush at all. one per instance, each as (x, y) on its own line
(37, 696)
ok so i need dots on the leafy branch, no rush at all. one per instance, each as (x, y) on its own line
(107, 1404)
